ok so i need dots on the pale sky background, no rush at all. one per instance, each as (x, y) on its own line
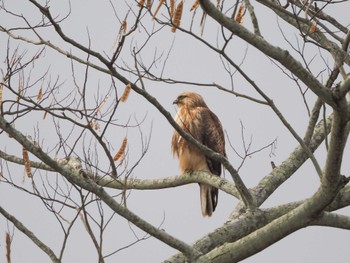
(177, 210)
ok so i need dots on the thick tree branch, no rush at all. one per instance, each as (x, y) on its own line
(344, 86)
(89, 185)
(301, 216)
(248, 231)
(333, 220)
(134, 183)
(241, 226)
(276, 53)
(244, 192)
(162, 183)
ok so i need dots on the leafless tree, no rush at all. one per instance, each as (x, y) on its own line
(69, 129)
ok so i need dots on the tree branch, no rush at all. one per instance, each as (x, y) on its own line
(161, 183)
(134, 183)
(30, 235)
(251, 221)
(89, 185)
(241, 226)
(276, 53)
(244, 192)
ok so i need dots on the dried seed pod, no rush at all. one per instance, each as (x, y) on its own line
(177, 16)
(240, 14)
(123, 26)
(40, 94)
(126, 93)
(121, 33)
(27, 167)
(121, 150)
(195, 5)
(8, 247)
(172, 8)
(158, 7)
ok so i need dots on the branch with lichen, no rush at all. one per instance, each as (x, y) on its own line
(74, 165)
(86, 183)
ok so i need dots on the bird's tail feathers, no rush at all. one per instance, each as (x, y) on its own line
(208, 195)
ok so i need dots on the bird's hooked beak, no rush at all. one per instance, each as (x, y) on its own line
(179, 100)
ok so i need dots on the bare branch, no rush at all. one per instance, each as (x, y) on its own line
(30, 235)
(277, 53)
(91, 186)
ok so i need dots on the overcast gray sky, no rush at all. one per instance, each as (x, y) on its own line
(175, 210)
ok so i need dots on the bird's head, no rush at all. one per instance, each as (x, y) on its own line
(190, 99)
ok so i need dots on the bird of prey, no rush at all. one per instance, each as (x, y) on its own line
(195, 118)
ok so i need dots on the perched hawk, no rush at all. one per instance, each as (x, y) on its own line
(194, 117)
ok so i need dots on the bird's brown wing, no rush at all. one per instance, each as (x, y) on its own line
(212, 136)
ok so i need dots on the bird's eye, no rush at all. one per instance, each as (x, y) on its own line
(181, 97)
